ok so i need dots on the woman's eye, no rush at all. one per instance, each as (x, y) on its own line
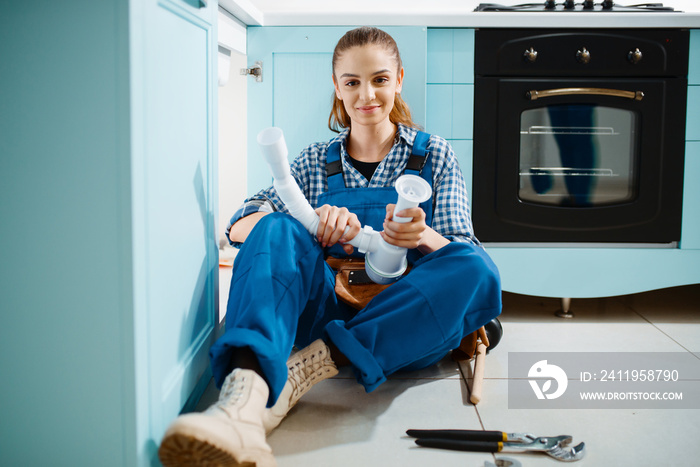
(382, 80)
(351, 83)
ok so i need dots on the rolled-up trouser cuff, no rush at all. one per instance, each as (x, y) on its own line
(367, 370)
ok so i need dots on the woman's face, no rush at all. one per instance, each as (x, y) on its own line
(366, 79)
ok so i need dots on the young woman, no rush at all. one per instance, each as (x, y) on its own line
(282, 290)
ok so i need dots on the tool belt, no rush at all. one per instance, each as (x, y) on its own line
(353, 287)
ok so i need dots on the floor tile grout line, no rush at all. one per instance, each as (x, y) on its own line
(476, 408)
(629, 307)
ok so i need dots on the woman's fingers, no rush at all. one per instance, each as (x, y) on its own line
(327, 221)
(406, 235)
(352, 226)
(333, 222)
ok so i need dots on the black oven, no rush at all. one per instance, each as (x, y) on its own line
(579, 135)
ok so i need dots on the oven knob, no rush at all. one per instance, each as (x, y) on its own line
(588, 4)
(583, 56)
(530, 55)
(569, 5)
(550, 5)
(608, 4)
(634, 56)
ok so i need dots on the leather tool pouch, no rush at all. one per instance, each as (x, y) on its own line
(352, 286)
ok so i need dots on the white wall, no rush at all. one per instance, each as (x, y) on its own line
(232, 143)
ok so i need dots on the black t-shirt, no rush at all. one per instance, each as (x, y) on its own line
(365, 168)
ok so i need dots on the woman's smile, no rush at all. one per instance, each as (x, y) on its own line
(369, 109)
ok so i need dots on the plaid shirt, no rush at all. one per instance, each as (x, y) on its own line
(451, 217)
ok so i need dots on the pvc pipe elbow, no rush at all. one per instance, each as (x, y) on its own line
(365, 240)
(274, 151)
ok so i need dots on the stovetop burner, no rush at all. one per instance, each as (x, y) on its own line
(570, 5)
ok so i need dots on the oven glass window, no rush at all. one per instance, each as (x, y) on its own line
(578, 155)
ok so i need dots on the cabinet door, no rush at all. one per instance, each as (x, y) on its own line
(296, 91)
(174, 201)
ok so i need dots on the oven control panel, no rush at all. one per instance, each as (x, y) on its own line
(556, 52)
(587, 6)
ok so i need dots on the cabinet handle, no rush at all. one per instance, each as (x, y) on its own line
(534, 95)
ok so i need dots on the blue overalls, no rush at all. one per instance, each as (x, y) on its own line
(282, 293)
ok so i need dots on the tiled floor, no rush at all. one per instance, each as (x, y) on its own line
(337, 424)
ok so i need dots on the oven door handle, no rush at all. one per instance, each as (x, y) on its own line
(534, 95)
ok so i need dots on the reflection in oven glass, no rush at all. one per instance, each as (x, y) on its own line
(578, 155)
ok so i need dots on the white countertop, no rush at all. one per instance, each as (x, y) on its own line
(451, 13)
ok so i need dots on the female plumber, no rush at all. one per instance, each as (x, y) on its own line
(282, 289)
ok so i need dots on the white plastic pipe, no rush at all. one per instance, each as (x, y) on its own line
(384, 263)
(274, 151)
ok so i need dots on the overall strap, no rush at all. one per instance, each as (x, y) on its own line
(417, 165)
(334, 167)
(417, 159)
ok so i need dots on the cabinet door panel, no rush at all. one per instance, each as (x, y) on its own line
(301, 104)
(694, 65)
(176, 270)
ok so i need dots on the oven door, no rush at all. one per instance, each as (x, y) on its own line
(578, 160)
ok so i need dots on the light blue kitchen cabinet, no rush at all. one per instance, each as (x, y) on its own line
(450, 92)
(296, 90)
(110, 263)
(690, 230)
(694, 65)
(451, 110)
(450, 56)
(690, 234)
(692, 127)
(463, 152)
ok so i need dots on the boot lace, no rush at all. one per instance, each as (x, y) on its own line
(231, 391)
(303, 373)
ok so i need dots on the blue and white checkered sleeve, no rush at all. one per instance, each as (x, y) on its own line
(257, 203)
(451, 217)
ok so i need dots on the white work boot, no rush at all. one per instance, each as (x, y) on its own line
(305, 368)
(230, 432)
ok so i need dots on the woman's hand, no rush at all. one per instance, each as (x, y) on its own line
(405, 235)
(412, 234)
(332, 225)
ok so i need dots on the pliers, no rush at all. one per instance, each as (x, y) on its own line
(497, 441)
